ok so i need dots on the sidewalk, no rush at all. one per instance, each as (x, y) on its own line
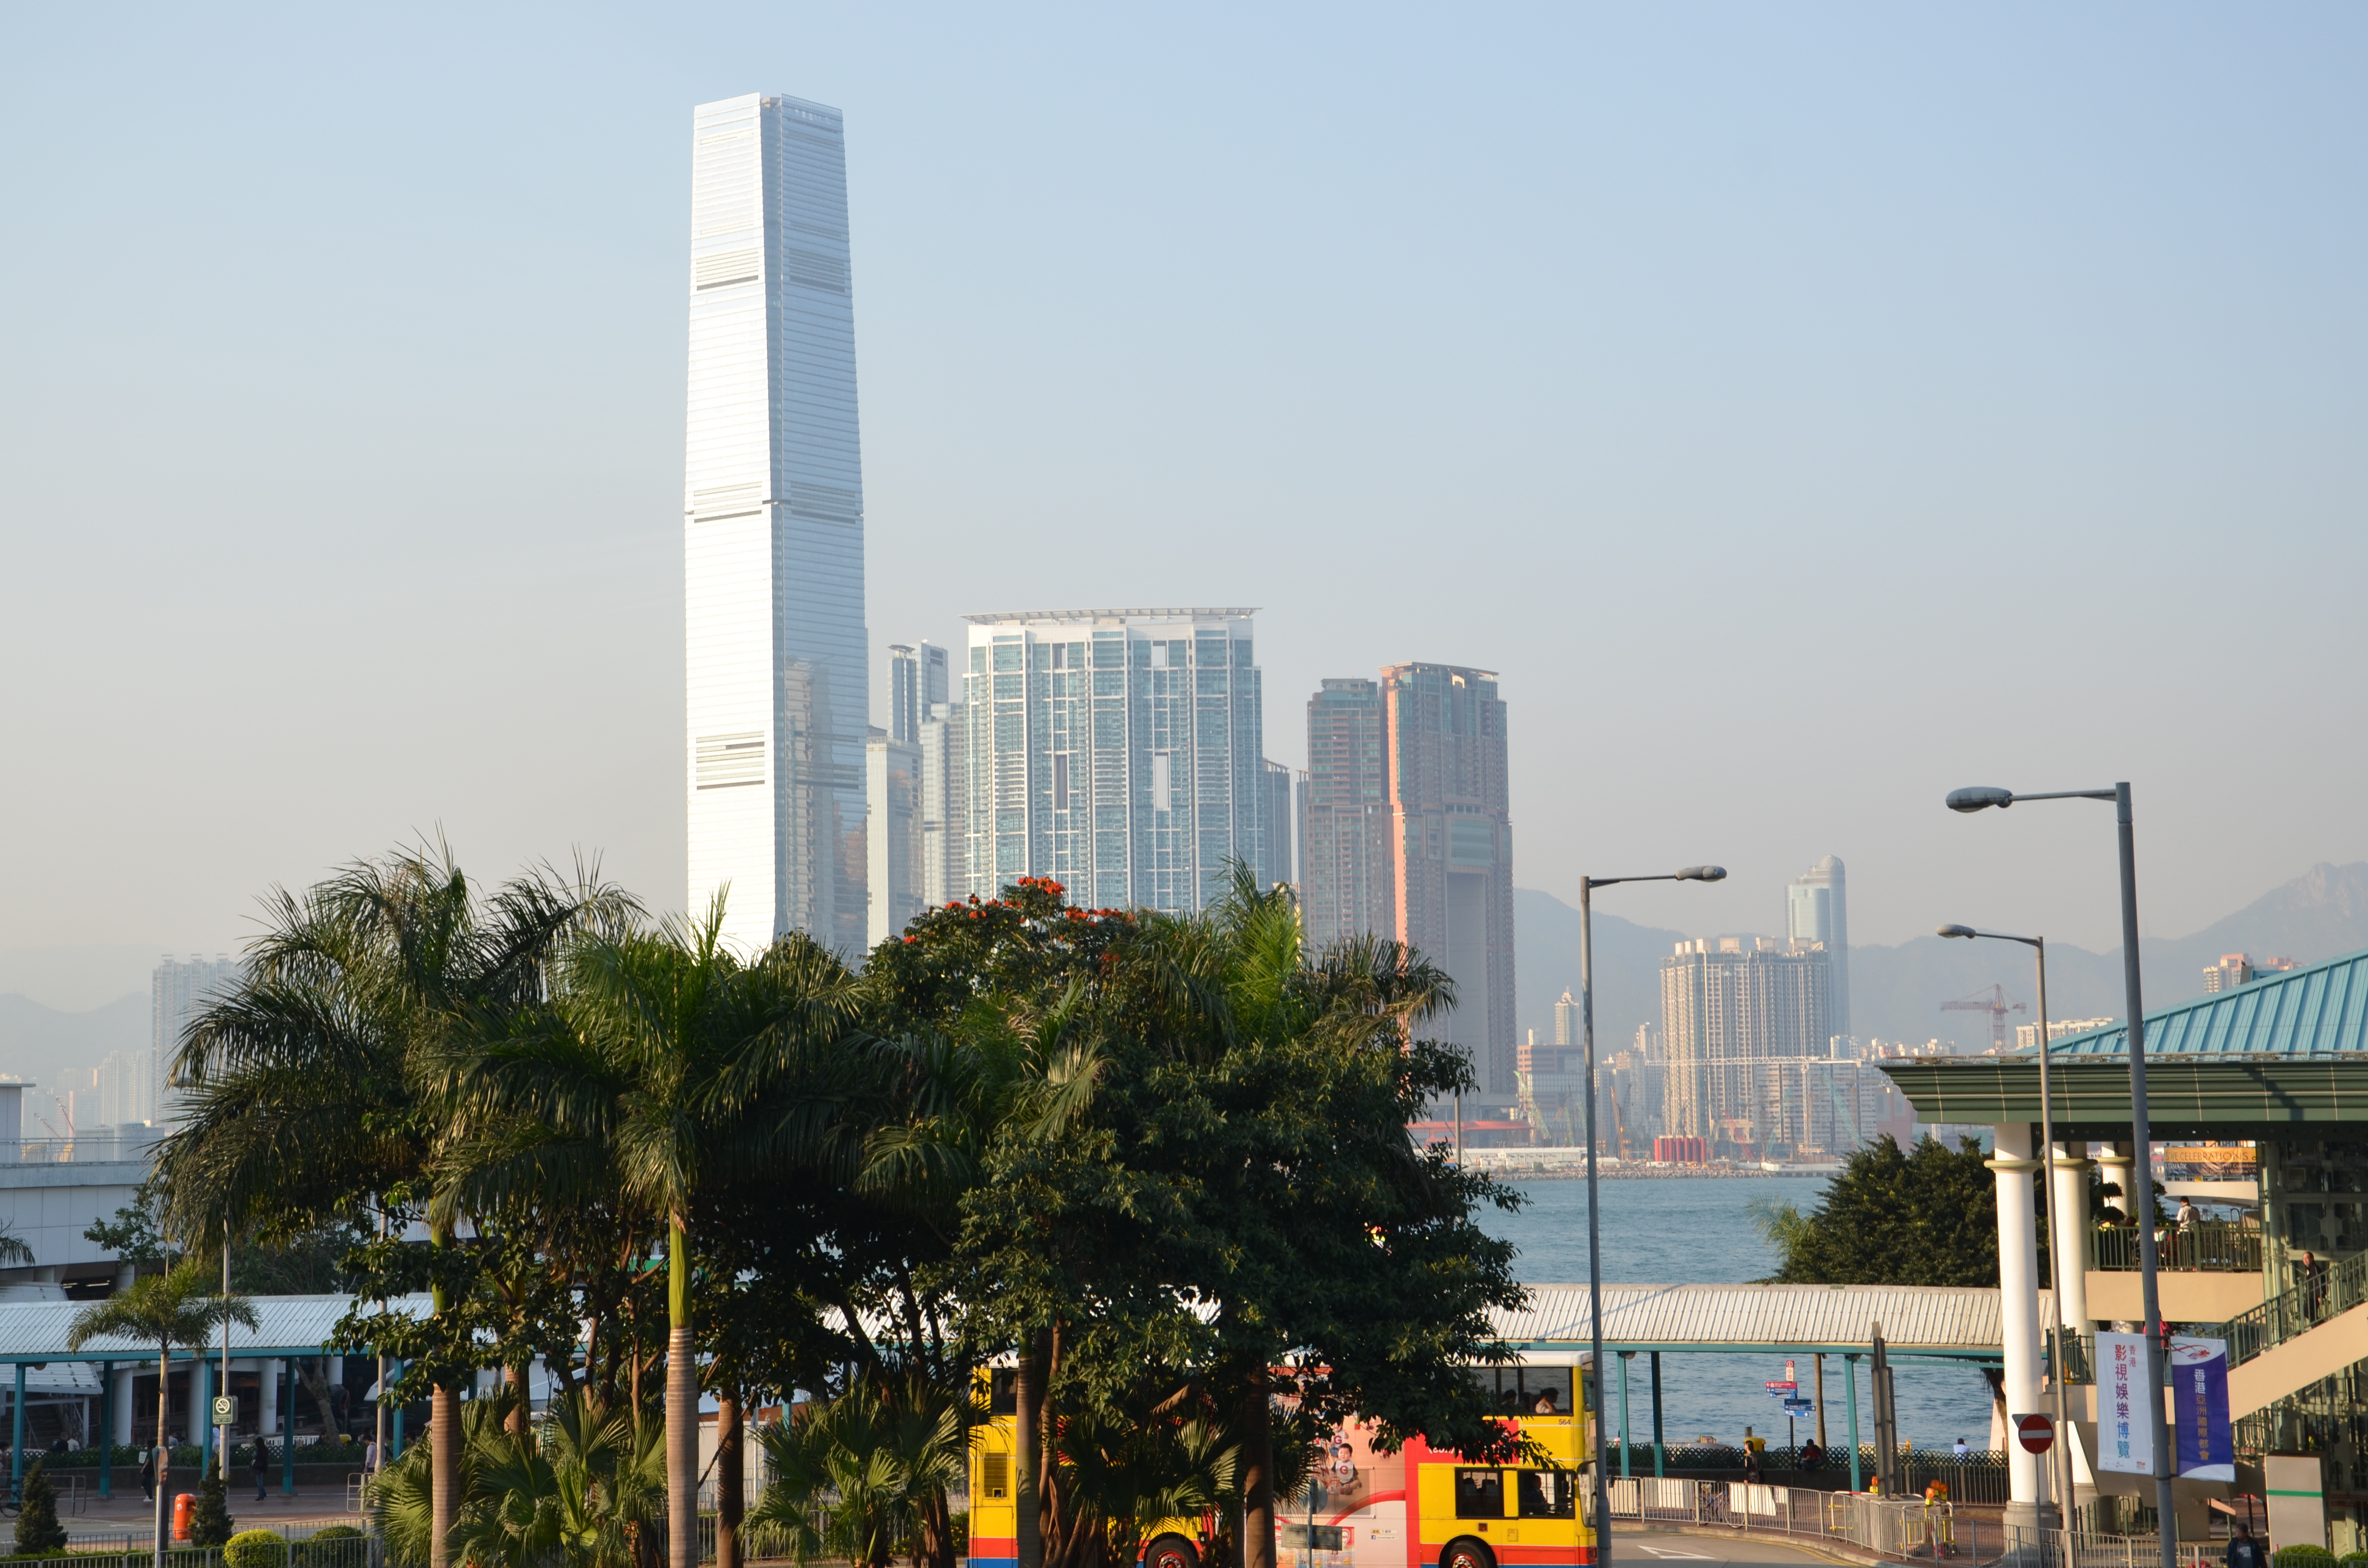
(134, 1515)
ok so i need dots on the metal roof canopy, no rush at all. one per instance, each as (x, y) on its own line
(2290, 1047)
(285, 1325)
(1959, 1324)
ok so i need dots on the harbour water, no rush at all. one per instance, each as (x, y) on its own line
(1697, 1232)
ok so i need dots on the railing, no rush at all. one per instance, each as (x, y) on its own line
(1979, 1477)
(2205, 1248)
(76, 1151)
(298, 1550)
(2298, 1311)
(1902, 1530)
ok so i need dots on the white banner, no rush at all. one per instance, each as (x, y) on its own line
(2124, 1425)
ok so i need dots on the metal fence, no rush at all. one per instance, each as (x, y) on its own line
(298, 1550)
(1901, 1529)
(2210, 1246)
(1979, 1477)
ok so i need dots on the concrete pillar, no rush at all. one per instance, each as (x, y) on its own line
(2011, 1166)
(120, 1422)
(2072, 1222)
(267, 1396)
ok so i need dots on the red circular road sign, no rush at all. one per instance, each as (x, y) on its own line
(2036, 1433)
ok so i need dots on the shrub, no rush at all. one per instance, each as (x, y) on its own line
(254, 1549)
(2297, 1556)
(38, 1531)
(212, 1523)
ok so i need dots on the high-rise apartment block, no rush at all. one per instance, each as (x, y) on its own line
(1728, 1008)
(918, 679)
(776, 683)
(893, 840)
(1275, 830)
(1816, 909)
(1451, 847)
(2237, 969)
(1409, 836)
(1117, 752)
(1344, 848)
(177, 991)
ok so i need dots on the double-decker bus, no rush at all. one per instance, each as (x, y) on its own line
(1417, 1508)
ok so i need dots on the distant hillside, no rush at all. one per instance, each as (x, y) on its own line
(1896, 991)
(42, 1044)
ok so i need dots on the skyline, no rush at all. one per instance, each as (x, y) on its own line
(1989, 438)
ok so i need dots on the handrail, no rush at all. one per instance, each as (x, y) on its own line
(2208, 1246)
(2297, 1312)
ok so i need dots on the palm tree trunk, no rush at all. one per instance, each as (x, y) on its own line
(1028, 1397)
(729, 1473)
(1257, 1470)
(444, 1470)
(163, 1449)
(682, 1406)
(522, 1394)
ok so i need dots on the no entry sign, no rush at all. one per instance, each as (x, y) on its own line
(2035, 1433)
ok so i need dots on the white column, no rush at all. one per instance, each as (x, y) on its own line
(2072, 1221)
(2012, 1166)
(120, 1423)
(267, 1392)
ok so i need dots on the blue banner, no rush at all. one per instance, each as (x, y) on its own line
(2198, 1403)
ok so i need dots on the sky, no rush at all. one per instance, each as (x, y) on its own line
(1805, 410)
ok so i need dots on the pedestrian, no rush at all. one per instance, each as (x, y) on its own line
(1960, 1450)
(1813, 1457)
(2244, 1551)
(148, 1473)
(2188, 1215)
(262, 1464)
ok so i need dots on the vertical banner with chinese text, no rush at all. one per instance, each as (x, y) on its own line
(2199, 1399)
(2124, 1425)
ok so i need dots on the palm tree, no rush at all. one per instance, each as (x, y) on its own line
(854, 1479)
(312, 1082)
(667, 1064)
(163, 1310)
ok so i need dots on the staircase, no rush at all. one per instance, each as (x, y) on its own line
(2294, 1340)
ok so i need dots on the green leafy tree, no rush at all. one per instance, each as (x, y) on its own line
(179, 1307)
(1924, 1216)
(38, 1533)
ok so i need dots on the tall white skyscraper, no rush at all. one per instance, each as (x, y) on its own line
(177, 991)
(773, 530)
(1816, 910)
(1116, 751)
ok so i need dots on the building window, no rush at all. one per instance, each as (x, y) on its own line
(1059, 779)
(1162, 780)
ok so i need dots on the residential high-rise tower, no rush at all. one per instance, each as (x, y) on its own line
(177, 991)
(1451, 846)
(1116, 751)
(1344, 852)
(1816, 909)
(773, 530)
(1739, 1013)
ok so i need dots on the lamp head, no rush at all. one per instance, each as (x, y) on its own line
(1701, 874)
(1980, 797)
(1957, 931)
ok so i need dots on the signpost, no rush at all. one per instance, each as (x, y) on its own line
(2035, 1433)
(225, 1410)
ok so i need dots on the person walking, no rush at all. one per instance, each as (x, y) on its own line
(148, 1473)
(262, 1464)
(2244, 1551)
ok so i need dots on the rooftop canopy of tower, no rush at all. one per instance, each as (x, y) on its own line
(2287, 1049)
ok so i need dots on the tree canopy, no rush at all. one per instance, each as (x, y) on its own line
(1920, 1216)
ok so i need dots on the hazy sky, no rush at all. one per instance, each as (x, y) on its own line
(1805, 409)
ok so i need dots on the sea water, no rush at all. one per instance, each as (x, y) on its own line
(1697, 1231)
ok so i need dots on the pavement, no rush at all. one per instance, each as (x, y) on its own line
(127, 1513)
(1647, 1546)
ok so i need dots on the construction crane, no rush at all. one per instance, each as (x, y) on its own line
(1995, 1003)
(1619, 1126)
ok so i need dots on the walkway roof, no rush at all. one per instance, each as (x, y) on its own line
(1916, 1320)
(2288, 1048)
(285, 1325)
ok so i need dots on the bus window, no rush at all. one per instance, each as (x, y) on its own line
(1003, 1391)
(1547, 1494)
(1479, 1493)
(995, 1474)
(1546, 1391)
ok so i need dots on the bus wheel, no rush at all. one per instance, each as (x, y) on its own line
(1170, 1551)
(1466, 1552)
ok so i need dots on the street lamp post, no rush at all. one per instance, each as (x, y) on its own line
(2038, 946)
(1981, 797)
(1587, 886)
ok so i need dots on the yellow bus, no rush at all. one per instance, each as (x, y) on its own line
(1417, 1508)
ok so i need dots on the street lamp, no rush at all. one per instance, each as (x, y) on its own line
(1587, 886)
(2038, 946)
(1981, 797)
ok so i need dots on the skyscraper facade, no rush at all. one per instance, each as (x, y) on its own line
(178, 989)
(918, 678)
(1451, 847)
(1116, 751)
(1275, 825)
(1816, 909)
(1734, 1012)
(773, 530)
(893, 840)
(1344, 854)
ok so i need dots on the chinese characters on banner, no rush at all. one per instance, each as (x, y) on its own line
(2198, 1398)
(2124, 1427)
